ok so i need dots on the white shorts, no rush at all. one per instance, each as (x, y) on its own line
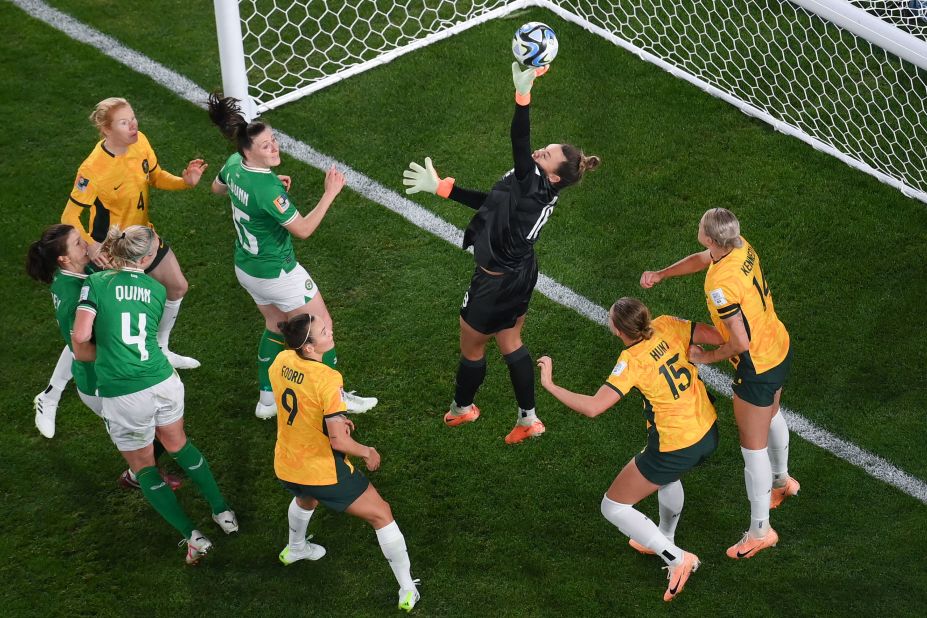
(93, 402)
(131, 419)
(288, 292)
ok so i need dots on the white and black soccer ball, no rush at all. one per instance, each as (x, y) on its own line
(535, 44)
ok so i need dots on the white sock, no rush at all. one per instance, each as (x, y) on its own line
(458, 410)
(267, 398)
(393, 545)
(527, 417)
(638, 526)
(758, 479)
(168, 318)
(60, 377)
(779, 449)
(299, 522)
(671, 498)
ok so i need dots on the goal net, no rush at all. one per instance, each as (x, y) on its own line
(846, 76)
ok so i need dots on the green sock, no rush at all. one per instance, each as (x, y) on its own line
(271, 345)
(197, 468)
(161, 497)
(330, 358)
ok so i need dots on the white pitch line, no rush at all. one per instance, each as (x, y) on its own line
(873, 464)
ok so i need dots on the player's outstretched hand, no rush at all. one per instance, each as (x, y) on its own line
(547, 371)
(98, 256)
(194, 172)
(523, 78)
(372, 460)
(650, 278)
(334, 181)
(286, 180)
(419, 178)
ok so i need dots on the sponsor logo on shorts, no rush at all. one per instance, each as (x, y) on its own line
(310, 284)
(717, 297)
(466, 298)
(619, 368)
(282, 203)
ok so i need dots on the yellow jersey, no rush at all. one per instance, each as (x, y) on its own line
(115, 189)
(677, 407)
(736, 284)
(306, 393)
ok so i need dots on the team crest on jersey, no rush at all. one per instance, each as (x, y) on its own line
(718, 298)
(81, 183)
(282, 203)
(619, 368)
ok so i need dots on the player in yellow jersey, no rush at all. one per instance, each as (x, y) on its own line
(313, 444)
(681, 426)
(757, 344)
(112, 185)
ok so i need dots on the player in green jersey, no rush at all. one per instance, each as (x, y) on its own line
(265, 219)
(61, 258)
(141, 393)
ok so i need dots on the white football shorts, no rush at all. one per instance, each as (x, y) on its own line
(288, 292)
(131, 419)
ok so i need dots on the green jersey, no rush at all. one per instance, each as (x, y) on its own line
(260, 209)
(65, 291)
(128, 305)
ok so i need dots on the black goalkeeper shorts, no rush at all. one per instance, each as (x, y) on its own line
(495, 302)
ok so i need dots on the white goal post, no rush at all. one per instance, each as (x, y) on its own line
(848, 77)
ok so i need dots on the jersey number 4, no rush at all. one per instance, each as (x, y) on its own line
(135, 340)
(671, 373)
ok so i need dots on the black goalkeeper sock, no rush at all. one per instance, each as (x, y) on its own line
(470, 376)
(521, 371)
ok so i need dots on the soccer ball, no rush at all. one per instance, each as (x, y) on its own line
(535, 44)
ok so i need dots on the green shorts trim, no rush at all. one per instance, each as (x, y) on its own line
(665, 468)
(339, 496)
(760, 389)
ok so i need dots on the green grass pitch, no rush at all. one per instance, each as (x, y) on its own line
(491, 530)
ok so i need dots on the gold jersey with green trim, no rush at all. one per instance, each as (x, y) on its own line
(676, 404)
(736, 284)
(115, 188)
(65, 292)
(128, 305)
(306, 393)
(260, 209)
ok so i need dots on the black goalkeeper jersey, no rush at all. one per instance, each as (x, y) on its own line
(510, 217)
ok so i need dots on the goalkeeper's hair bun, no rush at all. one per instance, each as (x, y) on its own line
(576, 165)
(225, 113)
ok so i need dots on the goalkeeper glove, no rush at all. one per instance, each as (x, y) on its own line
(419, 178)
(524, 79)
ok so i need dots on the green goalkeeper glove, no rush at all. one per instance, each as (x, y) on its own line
(419, 178)
(524, 79)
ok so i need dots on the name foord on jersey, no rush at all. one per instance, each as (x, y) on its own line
(133, 292)
(238, 192)
(292, 375)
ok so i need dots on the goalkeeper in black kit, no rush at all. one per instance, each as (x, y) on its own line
(507, 224)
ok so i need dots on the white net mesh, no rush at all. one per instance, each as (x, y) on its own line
(828, 84)
(292, 44)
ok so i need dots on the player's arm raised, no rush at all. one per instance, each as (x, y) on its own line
(694, 263)
(303, 226)
(587, 405)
